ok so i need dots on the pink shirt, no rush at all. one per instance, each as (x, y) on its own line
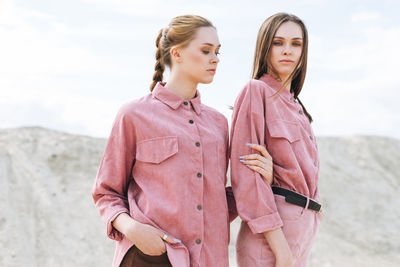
(165, 164)
(279, 123)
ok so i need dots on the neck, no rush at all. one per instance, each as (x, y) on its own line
(282, 79)
(181, 86)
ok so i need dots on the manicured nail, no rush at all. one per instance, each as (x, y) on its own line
(248, 144)
(241, 157)
(248, 165)
(177, 240)
(242, 160)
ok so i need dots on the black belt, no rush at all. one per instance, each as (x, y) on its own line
(296, 199)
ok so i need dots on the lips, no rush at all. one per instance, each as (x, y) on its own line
(286, 61)
(212, 71)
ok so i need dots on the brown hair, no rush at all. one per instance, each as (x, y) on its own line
(180, 31)
(261, 63)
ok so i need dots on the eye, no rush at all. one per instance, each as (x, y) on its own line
(277, 43)
(296, 44)
(206, 52)
(217, 53)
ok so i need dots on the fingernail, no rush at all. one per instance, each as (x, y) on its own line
(241, 157)
(242, 160)
(248, 144)
(177, 240)
(248, 165)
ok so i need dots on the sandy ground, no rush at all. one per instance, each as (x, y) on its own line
(47, 216)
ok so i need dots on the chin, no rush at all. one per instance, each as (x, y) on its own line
(206, 81)
(285, 71)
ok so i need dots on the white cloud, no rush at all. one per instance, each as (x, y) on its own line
(365, 15)
(359, 83)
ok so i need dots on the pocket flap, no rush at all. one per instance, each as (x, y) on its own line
(156, 150)
(284, 129)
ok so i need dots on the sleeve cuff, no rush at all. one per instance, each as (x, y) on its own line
(113, 233)
(265, 223)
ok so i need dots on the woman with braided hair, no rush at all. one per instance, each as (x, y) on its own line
(160, 187)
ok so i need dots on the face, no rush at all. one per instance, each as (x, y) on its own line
(286, 49)
(199, 59)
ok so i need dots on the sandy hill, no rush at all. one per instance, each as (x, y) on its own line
(47, 216)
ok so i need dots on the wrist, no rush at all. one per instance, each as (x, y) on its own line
(132, 227)
(125, 224)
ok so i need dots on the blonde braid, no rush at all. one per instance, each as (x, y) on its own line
(159, 67)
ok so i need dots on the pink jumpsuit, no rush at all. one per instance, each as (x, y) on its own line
(278, 122)
(165, 164)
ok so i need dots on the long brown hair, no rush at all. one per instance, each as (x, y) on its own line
(261, 63)
(180, 31)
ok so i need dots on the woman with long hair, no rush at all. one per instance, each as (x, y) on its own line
(160, 187)
(279, 222)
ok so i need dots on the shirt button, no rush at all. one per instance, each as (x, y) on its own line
(191, 121)
(185, 103)
(197, 143)
(311, 137)
(300, 112)
(199, 175)
(315, 163)
(198, 241)
(199, 207)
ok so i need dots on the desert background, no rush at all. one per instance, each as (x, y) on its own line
(47, 215)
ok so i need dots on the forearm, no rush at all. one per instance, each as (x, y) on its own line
(279, 245)
(124, 223)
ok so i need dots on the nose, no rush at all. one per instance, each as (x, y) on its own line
(286, 50)
(215, 59)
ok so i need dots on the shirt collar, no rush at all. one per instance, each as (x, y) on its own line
(276, 85)
(173, 100)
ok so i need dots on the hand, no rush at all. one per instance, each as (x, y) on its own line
(259, 163)
(145, 237)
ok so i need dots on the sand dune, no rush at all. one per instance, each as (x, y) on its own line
(47, 216)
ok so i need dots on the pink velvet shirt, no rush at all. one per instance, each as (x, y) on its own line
(165, 164)
(278, 122)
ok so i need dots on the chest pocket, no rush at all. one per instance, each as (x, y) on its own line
(284, 129)
(156, 150)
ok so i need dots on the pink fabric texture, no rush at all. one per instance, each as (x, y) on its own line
(276, 120)
(165, 164)
(300, 227)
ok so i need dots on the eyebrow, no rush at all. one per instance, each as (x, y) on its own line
(297, 38)
(209, 44)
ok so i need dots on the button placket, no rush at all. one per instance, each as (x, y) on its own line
(199, 183)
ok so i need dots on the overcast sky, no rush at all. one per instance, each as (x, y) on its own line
(69, 65)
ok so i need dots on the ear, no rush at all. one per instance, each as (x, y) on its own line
(176, 55)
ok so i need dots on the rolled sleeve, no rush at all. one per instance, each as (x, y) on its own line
(265, 223)
(113, 233)
(115, 173)
(254, 197)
